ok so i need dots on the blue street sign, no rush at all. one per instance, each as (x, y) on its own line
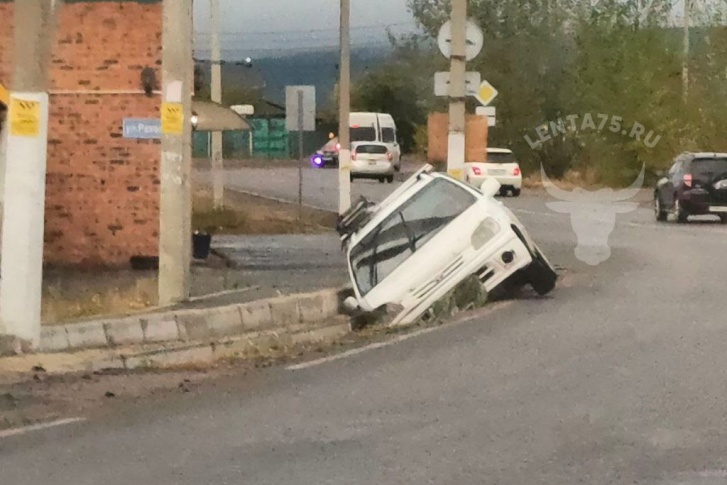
(143, 128)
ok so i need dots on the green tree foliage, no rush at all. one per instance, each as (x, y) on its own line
(551, 59)
(395, 88)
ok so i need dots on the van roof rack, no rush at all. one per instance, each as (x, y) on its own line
(354, 218)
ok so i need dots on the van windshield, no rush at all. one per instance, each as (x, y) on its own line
(363, 133)
(407, 230)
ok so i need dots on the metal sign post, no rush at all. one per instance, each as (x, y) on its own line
(300, 157)
(300, 116)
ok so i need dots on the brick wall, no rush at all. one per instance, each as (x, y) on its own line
(102, 191)
(6, 40)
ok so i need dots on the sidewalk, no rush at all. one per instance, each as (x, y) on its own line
(268, 266)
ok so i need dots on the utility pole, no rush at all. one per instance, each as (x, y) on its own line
(344, 111)
(175, 214)
(457, 91)
(26, 138)
(218, 176)
(685, 60)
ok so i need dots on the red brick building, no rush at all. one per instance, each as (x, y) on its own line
(102, 190)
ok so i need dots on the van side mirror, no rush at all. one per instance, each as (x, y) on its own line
(490, 187)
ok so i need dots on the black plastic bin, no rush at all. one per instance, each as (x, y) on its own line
(201, 244)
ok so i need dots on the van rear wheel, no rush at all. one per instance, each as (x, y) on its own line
(541, 276)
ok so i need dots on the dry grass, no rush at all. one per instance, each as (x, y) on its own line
(205, 163)
(74, 295)
(246, 214)
(571, 180)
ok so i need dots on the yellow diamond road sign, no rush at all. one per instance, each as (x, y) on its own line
(486, 93)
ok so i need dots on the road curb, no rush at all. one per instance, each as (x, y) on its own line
(194, 325)
(250, 345)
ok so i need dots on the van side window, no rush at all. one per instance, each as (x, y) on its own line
(388, 135)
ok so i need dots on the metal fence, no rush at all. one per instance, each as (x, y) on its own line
(269, 138)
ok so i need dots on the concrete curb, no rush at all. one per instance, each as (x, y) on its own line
(159, 356)
(195, 325)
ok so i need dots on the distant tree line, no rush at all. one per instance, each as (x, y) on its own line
(592, 89)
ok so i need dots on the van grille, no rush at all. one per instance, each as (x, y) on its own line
(426, 289)
(485, 273)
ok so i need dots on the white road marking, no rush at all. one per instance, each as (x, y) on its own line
(37, 427)
(396, 340)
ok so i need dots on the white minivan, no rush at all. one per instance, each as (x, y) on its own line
(376, 127)
(430, 234)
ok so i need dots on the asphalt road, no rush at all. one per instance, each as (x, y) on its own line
(618, 377)
(320, 186)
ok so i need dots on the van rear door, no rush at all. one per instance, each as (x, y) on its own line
(387, 129)
(363, 127)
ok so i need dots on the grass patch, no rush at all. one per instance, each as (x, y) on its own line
(245, 214)
(469, 294)
(72, 295)
(223, 220)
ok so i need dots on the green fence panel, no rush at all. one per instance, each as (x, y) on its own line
(235, 145)
(278, 139)
(200, 144)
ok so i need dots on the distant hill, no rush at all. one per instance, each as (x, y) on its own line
(318, 68)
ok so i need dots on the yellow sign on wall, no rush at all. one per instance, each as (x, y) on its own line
(172, 118)
(4, 95)
(24, 117)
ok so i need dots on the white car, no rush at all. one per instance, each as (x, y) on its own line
(429, 235)
(372, 160)
(501, 165)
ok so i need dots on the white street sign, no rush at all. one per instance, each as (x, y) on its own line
(486, 93)
(473, 44)
(488, 112)
(243, 109)
(441, 83)
(485, 110)
(308, 108)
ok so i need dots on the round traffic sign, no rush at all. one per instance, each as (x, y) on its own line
(474, 41)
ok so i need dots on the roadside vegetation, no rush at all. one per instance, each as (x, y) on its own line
(551, 60)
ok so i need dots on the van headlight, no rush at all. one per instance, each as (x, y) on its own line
(484, 233)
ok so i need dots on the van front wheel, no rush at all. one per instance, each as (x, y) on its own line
(541, 276)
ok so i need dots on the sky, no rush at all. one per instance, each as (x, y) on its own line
(258, 28)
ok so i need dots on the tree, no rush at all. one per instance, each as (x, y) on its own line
(617, 58)
(398, 88)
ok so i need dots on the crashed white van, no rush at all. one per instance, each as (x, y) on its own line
(429, 235)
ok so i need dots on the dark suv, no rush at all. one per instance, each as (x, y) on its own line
(696, 184)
